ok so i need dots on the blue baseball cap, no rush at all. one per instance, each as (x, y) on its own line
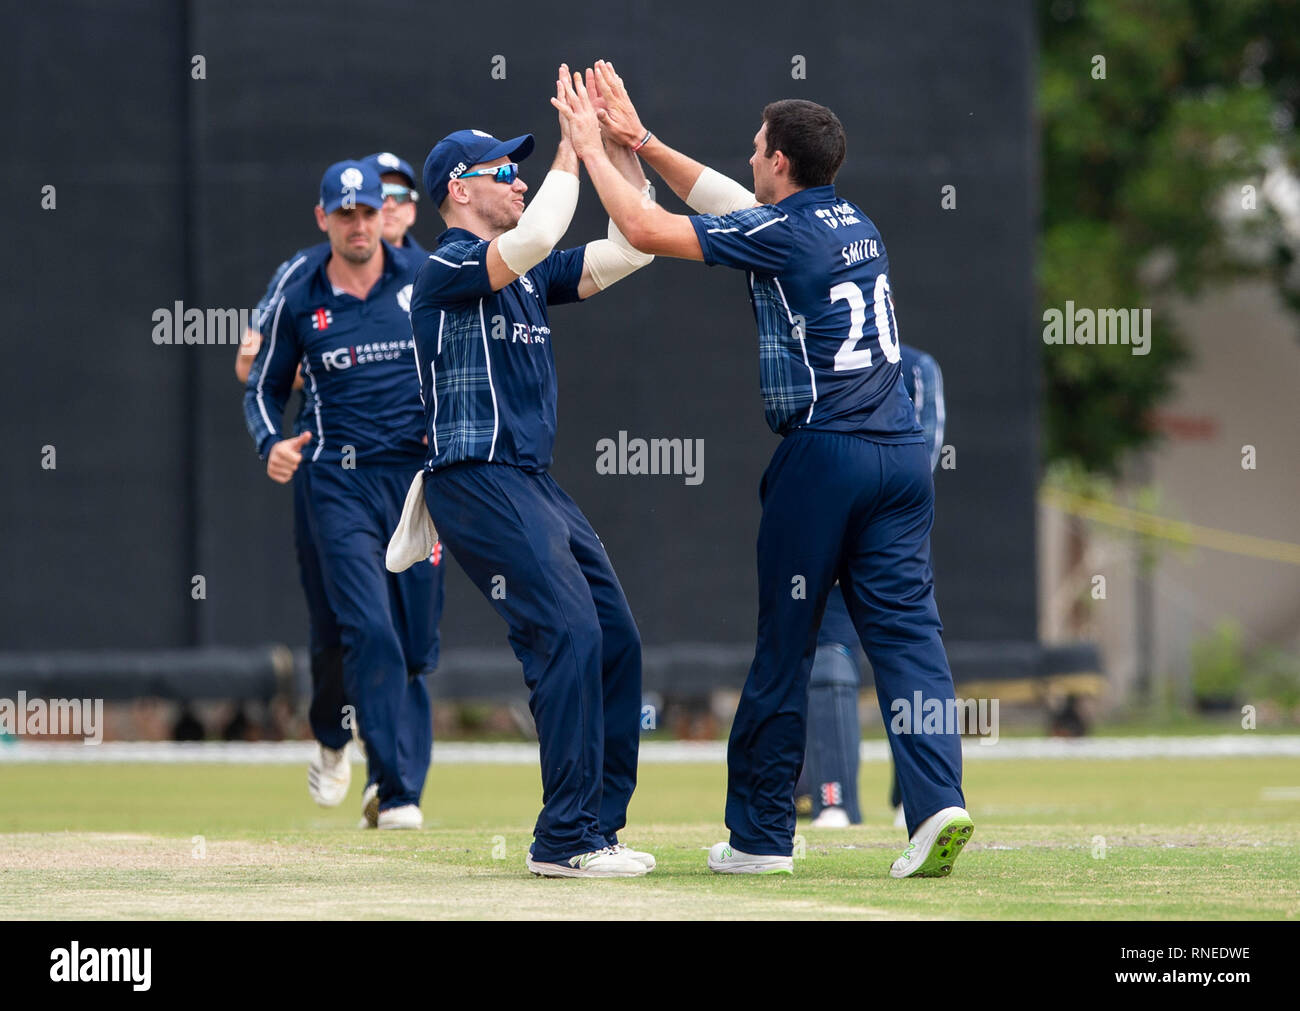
(385, 161)
(348, 183)
(458, 152)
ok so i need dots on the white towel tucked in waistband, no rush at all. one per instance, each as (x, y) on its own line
(415, 537)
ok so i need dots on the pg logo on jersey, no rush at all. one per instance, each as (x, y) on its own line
(321, 319)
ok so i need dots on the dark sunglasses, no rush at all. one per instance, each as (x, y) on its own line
(506, 173)
(401, 194)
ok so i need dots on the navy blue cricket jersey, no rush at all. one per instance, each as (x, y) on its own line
(358, 367)
(827, 338)
(300, 263)
(487, 373)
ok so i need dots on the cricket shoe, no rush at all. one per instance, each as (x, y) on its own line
(831, 817)
(725, 860)
(370, 807)
(646, 860)
(935, 844)
(328, 775)
(406, 816)
(602, 863)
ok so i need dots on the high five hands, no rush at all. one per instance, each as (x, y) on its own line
(577, 113)
(594, 108)
(617, 114)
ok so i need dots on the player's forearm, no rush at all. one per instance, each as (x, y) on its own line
(644, 224)
(263, 412)
(607, 261)
(628, 164)
(705, 190)
(565, 159)
(679, 171)
(622, 199)
(266, 392)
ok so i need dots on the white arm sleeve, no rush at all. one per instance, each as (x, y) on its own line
(714, 193)
(612, 259)
(542, 224)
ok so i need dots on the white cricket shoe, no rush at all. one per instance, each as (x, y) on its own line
(935, 844)
(602, 863)
(370, 807)
(406, 816)
(646, 860)
(832, 817)
(329, 775)
(725, 860)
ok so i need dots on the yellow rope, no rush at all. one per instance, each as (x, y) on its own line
(1170, 530)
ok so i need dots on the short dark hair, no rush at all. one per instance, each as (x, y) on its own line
(810, 136)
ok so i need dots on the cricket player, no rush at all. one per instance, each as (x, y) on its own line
(329, 774)
(345, 323)
(848, 494)
(483, 342)
(830, 772)
(400, 197)
(398, 217)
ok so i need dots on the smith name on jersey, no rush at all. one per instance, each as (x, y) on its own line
(828, 350)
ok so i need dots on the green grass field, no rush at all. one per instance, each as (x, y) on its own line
(1190, 839)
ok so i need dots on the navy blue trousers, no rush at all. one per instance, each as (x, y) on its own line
(527, 547)
(840, 507)
(325, 638)
(388, 621)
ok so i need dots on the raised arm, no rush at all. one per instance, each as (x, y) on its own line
(702, 188)
(542, 224)
(611, 259)
(647, 226)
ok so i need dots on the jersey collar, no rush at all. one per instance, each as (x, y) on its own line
(455, 234)
(812, 195)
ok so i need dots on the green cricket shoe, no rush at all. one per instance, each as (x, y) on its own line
(935, 845)
(725, 860)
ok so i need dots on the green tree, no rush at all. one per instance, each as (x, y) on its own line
(1143, 174)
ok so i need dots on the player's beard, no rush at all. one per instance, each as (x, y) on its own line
(354, 255)
(500, 218)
